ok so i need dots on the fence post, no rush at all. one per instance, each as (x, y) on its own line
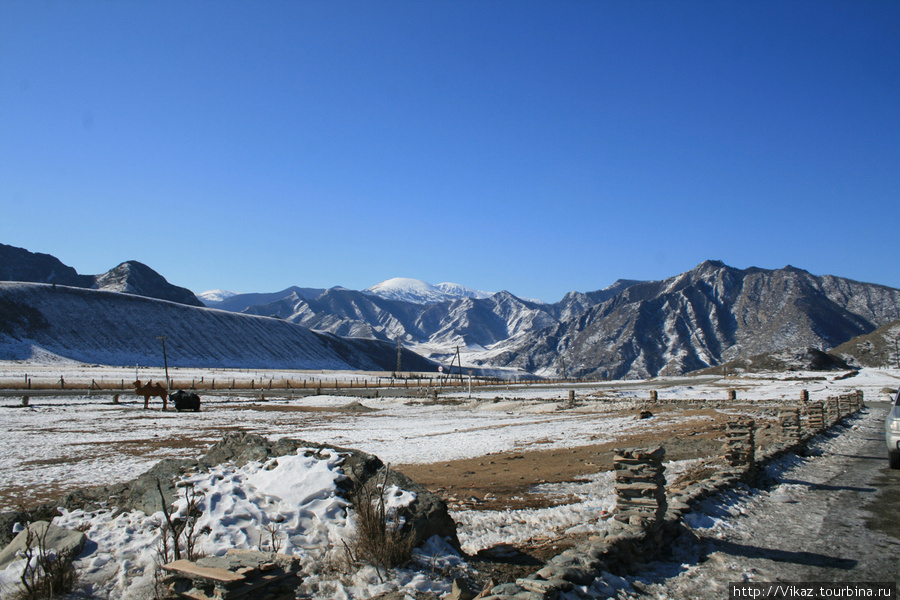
(740, 446)
(640, 484)
(789, 416)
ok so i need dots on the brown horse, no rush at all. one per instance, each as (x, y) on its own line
(150, 390)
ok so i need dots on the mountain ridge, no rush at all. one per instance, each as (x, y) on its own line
(130, 277)
(704, 317)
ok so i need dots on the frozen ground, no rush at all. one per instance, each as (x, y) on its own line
(60, 443)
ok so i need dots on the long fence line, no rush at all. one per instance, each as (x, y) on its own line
(234, 383)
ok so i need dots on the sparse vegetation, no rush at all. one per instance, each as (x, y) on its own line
(380, 540)
(46, 574)
(178, 538)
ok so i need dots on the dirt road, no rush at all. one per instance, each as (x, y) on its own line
(831, 516)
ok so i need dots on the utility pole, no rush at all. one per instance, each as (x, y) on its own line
(165, 360)
(399, 347)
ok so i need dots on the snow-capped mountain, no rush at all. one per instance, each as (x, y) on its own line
(215, 296)
(420, 292)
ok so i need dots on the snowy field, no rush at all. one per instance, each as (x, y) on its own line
(61, 443)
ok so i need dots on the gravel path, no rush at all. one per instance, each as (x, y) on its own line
(831, 516)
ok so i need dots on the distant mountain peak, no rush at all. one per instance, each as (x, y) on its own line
(216, 295)
(421, 292)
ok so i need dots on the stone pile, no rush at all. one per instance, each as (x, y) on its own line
(640, 484)
(831, 411)
(740, 445)
(815, 417)
(844, 405)
(238, 574)
(789, 417)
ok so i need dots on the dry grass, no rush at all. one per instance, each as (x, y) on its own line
(46, 574)
(380, 539)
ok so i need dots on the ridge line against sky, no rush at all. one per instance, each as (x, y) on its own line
(537, 147)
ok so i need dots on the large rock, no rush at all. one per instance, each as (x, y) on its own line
(41, 535)
(427, 515)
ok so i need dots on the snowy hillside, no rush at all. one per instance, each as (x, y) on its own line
(420, 292)
(40, 320)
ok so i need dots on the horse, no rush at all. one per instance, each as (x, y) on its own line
(150, 390)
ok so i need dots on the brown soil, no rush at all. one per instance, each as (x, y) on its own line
(504, 480)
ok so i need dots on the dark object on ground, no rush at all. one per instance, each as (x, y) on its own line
(185, 400)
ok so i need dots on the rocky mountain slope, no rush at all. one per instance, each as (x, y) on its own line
(881, 348)
(471, 322)
(47, 322)
(706, 316)
(130, 277)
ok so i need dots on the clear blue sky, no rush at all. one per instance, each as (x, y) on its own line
(538, 147)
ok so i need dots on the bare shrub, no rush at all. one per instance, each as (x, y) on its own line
(46, 574)
(178, 538)
(380, 539)
(275, 539)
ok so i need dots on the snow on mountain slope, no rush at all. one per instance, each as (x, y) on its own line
(456, 290)
(214, 296)
(112, 328)
(421, 292)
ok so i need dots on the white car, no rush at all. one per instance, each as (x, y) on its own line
(892, 432)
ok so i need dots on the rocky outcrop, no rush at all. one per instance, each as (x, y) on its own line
(136, 278)
(43, 537)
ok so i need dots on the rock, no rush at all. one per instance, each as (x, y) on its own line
(65, 542)
(460, 591)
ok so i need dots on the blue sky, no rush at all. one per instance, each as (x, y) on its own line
(538, 147)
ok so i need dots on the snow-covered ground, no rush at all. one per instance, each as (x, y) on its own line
(66, 442)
